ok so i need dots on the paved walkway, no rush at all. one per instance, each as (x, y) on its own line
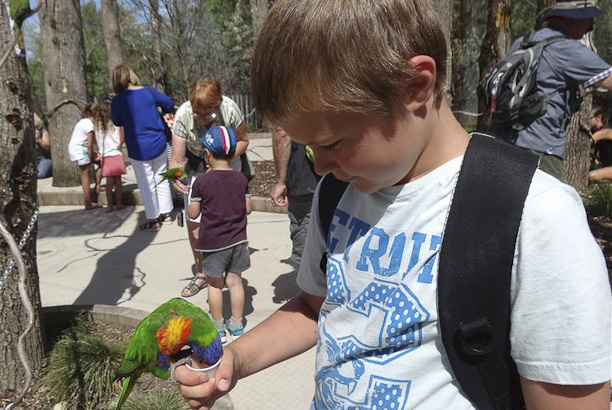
(103, 259)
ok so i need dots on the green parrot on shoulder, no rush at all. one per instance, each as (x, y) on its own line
(159, 340)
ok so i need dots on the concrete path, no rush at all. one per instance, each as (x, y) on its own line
(103, 259)
(94, 257)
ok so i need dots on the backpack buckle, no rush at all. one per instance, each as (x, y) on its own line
(476, 338)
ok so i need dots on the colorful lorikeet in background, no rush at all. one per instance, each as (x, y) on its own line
(173, 174)
(158, 342)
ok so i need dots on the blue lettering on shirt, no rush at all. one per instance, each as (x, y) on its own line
(391, 311)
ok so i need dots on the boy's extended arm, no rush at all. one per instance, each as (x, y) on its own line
(545, 396)
(193, 210)
(249, 205)
(289, 331)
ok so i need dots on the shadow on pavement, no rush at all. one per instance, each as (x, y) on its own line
(81, 222)
(116, 269)
(285, 287)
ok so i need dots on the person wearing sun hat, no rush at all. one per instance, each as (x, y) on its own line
(565, 66)
(221, 199)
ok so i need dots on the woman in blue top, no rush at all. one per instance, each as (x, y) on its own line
(135, 108)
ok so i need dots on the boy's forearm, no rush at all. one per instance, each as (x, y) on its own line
(289, 331)
(193, 210)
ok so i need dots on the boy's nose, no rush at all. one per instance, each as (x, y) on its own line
(323, 164)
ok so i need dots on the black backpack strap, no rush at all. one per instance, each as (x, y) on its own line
(330, 192)
(475, 268)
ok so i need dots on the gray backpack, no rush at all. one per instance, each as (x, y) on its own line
(511, 89)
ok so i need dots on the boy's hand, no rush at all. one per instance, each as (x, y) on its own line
(199, 391)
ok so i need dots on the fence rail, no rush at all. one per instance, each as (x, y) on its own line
(252, 122)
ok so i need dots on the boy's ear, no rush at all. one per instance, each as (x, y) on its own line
(425, 83)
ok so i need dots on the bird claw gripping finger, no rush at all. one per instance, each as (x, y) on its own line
(184, 360)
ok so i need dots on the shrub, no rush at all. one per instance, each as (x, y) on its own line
(599, 198)
(156, 400)
(81, 367)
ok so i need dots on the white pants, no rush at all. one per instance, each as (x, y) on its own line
(155, 194)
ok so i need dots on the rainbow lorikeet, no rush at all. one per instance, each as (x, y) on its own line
(159, 339)
(173, 174)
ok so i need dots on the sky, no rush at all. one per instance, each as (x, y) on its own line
(31, 27)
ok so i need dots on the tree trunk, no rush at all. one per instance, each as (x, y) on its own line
(494, 47)
(64, 65)
(577, 145)
(17, 205)
(542, 9)
(158, 66)
(259, 12)
(460, 60)
(444, 9)
(112, 37)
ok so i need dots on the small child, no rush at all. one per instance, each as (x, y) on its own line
(362, 84)
(219, 196)
(80, 151)
(109, 140)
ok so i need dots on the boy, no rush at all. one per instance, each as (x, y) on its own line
(362, 84)
(219, 196)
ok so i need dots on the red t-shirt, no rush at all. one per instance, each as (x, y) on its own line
(222, 196)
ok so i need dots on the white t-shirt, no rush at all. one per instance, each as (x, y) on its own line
(379, 343)
(108, 142)
(77, 147)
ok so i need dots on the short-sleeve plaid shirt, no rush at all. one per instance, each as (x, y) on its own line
(186, 127)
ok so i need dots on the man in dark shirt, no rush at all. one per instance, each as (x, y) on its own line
(295, 184)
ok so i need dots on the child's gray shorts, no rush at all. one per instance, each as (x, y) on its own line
(236, 259)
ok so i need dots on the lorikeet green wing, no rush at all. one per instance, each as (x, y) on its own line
(159, 338)
(174, 174)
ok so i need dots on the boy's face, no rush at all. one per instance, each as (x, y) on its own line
(368, 151)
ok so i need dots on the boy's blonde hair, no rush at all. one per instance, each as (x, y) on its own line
(205, 94)
(123, 76)
(343, 56)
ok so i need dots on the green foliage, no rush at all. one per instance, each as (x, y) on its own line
(82, 366)
(96, 59)
(237, 38)
(599, 199)
(156, 400)
(137, 46)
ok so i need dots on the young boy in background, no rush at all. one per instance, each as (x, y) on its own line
(361, 83)
(222, 198)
